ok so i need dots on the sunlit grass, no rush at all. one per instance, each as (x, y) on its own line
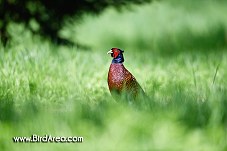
(62, 94)
(162, 26)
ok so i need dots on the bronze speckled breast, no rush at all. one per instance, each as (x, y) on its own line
(120, 79)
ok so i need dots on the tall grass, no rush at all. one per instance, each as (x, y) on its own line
(176, 52)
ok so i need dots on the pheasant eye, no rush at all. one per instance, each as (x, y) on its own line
(115, 54)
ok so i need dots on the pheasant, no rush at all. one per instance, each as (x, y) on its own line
(120, 81)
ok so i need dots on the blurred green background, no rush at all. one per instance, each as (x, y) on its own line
(175, 49)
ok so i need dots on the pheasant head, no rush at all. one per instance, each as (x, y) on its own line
(117, 55)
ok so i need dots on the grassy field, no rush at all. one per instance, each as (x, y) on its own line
(176, 50)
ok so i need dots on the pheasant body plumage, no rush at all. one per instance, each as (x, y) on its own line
(120, 80)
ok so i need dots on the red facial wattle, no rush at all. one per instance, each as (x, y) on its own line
(115, 54)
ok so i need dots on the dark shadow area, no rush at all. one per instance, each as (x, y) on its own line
(7, 109)
(46, 18)
(188, 41)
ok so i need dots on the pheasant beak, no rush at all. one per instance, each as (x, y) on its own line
(110, 52)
